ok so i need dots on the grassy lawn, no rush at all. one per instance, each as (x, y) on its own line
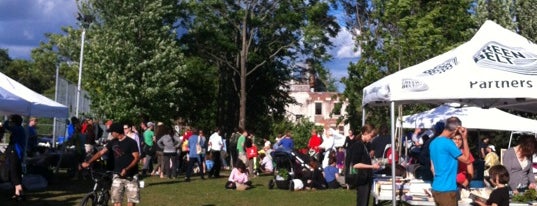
(62, 191)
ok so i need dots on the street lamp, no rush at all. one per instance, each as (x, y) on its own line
(85, 21)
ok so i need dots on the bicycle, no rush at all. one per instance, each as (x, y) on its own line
(100, 194)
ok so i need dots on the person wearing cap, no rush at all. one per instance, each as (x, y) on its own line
(126, 157)
(445, 160)
(491, 159)
(148, 144)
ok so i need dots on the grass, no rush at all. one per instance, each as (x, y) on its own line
(157, 192)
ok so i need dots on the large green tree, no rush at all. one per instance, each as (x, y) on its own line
(4, 59)
(525, 17)
(253, 44)
(36, 75)
(499, 11)
(132, 62)
(393, 35)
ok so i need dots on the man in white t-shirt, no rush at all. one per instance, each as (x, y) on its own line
(215, 146)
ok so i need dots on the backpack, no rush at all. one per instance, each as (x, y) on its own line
(234, 138)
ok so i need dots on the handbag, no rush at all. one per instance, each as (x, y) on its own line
(251, 152)
(150, 150)
(198, 148)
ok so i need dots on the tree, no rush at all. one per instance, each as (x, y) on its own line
(393, 35)
(525, 16)
(256, 41)
(499, 11)
(4, 59)
(132, 62)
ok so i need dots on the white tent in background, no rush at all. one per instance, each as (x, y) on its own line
(15, 98)
(496, 68)
(471, 117)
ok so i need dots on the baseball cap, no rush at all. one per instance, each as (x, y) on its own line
(116, 127)
(150, 124)
(492, 148)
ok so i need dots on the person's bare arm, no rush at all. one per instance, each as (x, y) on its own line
(465, 157)
(432, 167)
(95, 157)
(366, 166)
(470, 170)
(133, 163)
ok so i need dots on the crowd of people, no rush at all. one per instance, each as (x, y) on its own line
(168, 151)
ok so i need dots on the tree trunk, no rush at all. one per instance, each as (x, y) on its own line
(244, 55)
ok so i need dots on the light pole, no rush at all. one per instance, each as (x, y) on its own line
(85, 21)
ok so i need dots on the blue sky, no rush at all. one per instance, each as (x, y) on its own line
(23, 24)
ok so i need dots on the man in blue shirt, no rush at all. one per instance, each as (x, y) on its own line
(445, 160)
(287, 143)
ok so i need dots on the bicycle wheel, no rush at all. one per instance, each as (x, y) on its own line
(90, 199)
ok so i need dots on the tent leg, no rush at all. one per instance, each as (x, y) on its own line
(392, 117)
(363, 116)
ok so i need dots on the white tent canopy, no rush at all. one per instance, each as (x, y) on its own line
(471, 117)
(15, 98)
(496, 68)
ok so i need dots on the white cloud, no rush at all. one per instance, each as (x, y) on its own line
(344, 45)
(29, 20)
(28, 35)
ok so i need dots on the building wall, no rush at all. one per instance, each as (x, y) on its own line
(306, 108)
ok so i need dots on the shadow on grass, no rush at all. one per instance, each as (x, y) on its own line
(61, 190)
(164, 182)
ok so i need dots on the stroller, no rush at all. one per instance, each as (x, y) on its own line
(288, 166)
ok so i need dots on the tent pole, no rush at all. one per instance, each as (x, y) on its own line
(363, 115)
(27, 137)
(392, 115)
(399, 132)
(55, 99)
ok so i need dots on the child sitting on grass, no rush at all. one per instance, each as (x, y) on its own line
(499, 176)
(238, 179)
(331, 175)
(209, 162)
(266, 164)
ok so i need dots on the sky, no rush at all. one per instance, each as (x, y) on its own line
(24, 23)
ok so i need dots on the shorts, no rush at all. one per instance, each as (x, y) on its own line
(121, 186)
(445, 198)
(242, 157)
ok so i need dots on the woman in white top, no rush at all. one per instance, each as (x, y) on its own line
(327, 146)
